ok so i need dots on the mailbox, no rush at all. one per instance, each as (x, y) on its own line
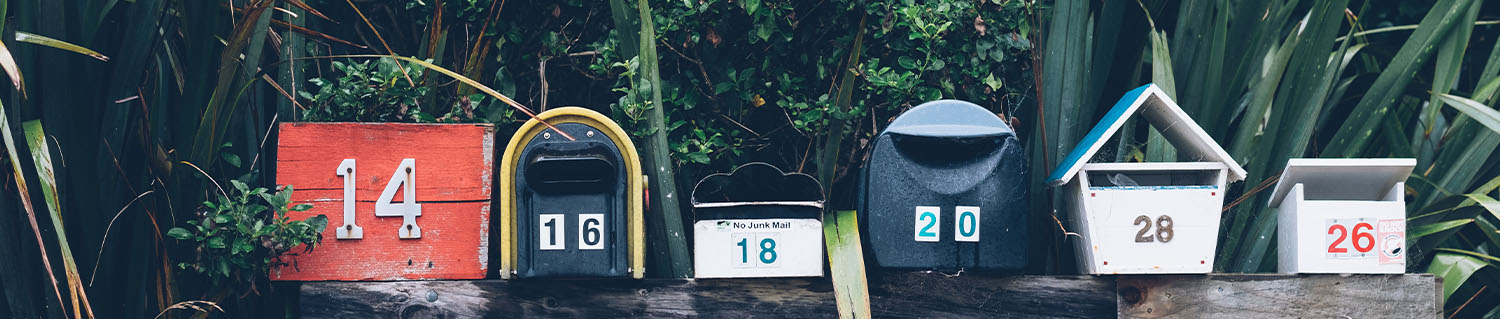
(945, 188)
(757, 221)
(571, 204)
(1135, 218)
(1342, 215)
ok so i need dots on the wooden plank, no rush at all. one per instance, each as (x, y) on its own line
(892, 294)
(903, 295)
(453, 168)
(1279, 296)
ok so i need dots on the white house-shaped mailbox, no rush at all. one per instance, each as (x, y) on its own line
(1135, 218)
(1342, 215)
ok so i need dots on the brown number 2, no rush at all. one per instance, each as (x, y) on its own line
(1163, 229)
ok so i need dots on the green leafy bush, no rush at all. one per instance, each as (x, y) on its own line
(243, 235)
(379, 91)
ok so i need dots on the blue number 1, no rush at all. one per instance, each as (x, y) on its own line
(744, 256)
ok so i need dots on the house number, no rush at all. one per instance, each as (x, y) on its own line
(408, 209)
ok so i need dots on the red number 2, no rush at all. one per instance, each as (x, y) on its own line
(1343, 233)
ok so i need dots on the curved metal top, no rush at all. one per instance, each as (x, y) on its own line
(949, 118)
(757, 183)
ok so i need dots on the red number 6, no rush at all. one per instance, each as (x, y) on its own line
(1370, 239)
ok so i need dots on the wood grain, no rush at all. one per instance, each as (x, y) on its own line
(1279, 296)
(893, 295)
(454, 164)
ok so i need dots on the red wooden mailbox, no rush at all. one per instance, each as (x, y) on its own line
(404, 201)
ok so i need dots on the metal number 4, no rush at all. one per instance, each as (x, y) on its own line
(408, 209)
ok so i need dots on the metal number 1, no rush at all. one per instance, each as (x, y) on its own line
(349, 230)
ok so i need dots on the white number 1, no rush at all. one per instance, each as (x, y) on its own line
(349, 230)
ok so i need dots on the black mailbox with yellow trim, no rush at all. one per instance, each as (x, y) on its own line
(571, 207)
(945, 188)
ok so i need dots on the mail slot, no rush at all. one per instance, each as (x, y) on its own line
(571, 199)
(757, 221)
(1146, 217)
(1342, 215)
(945, 188)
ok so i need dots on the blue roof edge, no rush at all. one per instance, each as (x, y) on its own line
(1121, 111)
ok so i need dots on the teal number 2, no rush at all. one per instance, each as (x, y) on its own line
(766, 250)
(931, 221)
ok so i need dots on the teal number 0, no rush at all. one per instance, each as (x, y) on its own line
(744, 256)
(766, 250)
(969, 217)
(931, 221)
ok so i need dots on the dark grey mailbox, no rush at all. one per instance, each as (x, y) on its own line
(945, 188)
(571, 207)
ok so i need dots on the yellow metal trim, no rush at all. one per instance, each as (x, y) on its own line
(634, 204)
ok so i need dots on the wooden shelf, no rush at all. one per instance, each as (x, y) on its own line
(893, 294)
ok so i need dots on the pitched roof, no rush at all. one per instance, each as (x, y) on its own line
(1164, 115)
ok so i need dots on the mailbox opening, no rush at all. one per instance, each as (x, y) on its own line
(1153, 178)
(942, 149)
(578, 167)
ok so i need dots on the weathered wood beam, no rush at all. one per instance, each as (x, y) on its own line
(892, 294)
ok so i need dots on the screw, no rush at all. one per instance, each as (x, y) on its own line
(349, 227)
(408, 227)
(351, 170)
(431, 296)
(546, 135)
(408, 170)
(589, 134)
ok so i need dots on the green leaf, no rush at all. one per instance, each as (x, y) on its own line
(215, 242)
(1428, 229)
(302, 207)
(28, 37)
(233, 160)
(179, 233)
(750, 6)
(1351, 138)
(1455, 269)
(318, 223)
(1479, 112)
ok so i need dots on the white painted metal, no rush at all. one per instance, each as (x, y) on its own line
(408, 209)
(348, 230)
(737, 248)
(1330, 208)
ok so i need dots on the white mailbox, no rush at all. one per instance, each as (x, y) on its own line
(757, 221)
(1342, 215)
(1139, 218)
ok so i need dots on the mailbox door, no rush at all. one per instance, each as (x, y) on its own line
(947, 203)
(572, 213)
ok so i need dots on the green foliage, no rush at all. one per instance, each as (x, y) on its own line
(239, 237)
(756, 77)
(379, 92)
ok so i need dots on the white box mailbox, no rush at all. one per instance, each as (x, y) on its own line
(1342, 215)
(1138, 218)
(757, 221)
